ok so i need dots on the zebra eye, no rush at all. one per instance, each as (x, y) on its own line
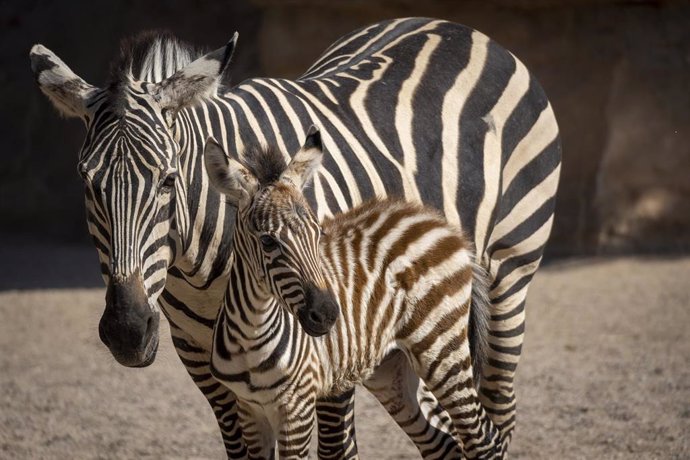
(268, 243)
(169, 181)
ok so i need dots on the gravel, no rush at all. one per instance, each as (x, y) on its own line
(605, 373)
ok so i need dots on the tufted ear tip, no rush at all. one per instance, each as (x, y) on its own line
(68, 92)
(313, 140)
(233, 40)
(197, 80)
(42, 59)
(37, 49)
(228, 53)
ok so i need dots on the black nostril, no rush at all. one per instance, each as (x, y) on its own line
(148, 332)
(315, 317)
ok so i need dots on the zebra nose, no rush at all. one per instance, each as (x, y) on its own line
(319, 313)
(129, 327)
(319, 318)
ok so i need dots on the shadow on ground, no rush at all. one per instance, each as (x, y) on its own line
(605, 369)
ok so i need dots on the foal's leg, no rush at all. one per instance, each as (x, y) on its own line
(413, 407)
(257, 431)
(441, 355)
(295, 424)
(335, 418)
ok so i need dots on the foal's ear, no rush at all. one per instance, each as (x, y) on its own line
(67, 91)
(196, 81)
(305, 163)
(228, 175)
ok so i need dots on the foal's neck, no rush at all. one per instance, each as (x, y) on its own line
(248, 304)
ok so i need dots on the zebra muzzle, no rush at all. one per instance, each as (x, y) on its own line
(129, 327)
(319, 313)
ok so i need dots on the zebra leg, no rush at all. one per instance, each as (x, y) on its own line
(446, 368)
(197, 362)
(506, 333)
(413, 407)
(257, 431)
(335, 418)
(296, 422)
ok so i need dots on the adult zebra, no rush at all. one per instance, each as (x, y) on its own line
(421, 108)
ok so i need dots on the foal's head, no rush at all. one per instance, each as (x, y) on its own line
(277, 234)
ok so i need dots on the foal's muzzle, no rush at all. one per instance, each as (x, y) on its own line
(319, 313)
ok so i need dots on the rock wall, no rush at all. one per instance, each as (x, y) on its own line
(618, 76)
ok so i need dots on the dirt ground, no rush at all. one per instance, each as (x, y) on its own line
(605, 371)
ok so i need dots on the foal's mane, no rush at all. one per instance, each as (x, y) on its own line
(266, 162)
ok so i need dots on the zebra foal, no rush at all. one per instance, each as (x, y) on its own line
(400, 273)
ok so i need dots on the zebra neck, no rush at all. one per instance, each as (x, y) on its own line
(255, 312)
(203, 220)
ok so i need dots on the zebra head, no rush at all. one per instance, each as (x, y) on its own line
(130, 164)
(276, 233)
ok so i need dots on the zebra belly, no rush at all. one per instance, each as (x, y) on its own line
(350, 353)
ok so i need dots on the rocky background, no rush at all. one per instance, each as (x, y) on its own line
(617, 73)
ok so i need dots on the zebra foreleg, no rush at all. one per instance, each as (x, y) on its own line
(414, 408)
(295, 426)
(257, 431)
(197, 362)
(336, 424)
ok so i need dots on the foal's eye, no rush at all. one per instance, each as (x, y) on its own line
(268, 243)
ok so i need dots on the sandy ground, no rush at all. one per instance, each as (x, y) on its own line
(605, 371)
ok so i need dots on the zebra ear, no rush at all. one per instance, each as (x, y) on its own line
(305, 163)
(68, 92)
(228, 175)
(196, 81)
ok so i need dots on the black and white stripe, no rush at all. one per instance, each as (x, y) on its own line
(401, 275)
(418, 108)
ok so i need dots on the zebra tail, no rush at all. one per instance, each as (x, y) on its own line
(478, 328)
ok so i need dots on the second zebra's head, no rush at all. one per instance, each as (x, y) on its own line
(276, 233)
(130, 167)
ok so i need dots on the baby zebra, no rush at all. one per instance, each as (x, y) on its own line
(401, 275)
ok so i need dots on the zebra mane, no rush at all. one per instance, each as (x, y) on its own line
(142, 54)
(267, 163)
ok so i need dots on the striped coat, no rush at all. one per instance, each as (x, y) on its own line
(413, 107)
(402, 278)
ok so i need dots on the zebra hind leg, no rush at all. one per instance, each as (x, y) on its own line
(445, 365)
(506, 334)
(336, 424)
(414, 408)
